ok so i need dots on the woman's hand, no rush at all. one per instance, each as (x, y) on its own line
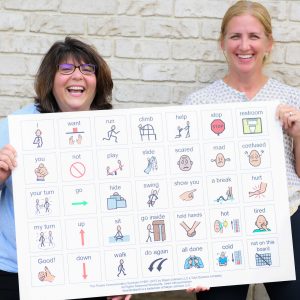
(197, 289)
(289, 118)
(7, 162)
(122, 297)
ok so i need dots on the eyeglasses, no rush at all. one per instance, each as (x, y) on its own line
(67, 69)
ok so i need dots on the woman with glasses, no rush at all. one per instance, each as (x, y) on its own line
(72, 77)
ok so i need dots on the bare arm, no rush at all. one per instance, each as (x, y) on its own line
(289, 118)
(297, 155)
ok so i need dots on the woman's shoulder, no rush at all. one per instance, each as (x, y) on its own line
(203, 95)
(283, 92)
(27, 109)
(275, 84)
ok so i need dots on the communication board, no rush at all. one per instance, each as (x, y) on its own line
(150, 199)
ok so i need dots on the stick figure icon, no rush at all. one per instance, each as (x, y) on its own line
(152, 197)
(38, 140)
(150, 231)
(185, 128)
(42, 239)
(121, 268)
(114, 171)
(118, 236)
(112, 133)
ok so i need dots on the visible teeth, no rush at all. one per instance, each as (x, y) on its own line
(245, 56)
(78, 88)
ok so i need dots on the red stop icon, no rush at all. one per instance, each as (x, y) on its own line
(217, 126)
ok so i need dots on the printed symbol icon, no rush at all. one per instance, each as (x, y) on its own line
(121, 268)
(181, 129)
(188, 195)
(150, 232)
(46, 275)
(220, 160)
(263, 259)
(78, 140)
(152, 197)
(262, 224)
(193, 261)
(47, 205)
(112, 133)
(45, 240)
(217, 126)
(42, 206)
(38, 140)
(190, 231)
(222, 260)
(50, 238)
(252, 125)
(218, 225)
(84, 273)
(115, 201)
(160, 262)
(237, 257)
(75, 137)
(118, 236)
(152, 165)
(148, 131)
(259, 191)
(77, 169)
(229, 196)
(221, 226)
(235, 225)
(78, 203)
(185, 163)
(41, 172)
(254, 157)
(42, 239)
(158, 231)
(82, 240)
(114, 171)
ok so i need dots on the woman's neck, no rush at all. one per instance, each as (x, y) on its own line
(250, 85)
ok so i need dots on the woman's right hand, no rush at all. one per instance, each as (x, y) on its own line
(7, 162)
(197, 289)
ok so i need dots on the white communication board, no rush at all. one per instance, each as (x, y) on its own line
(150, 199)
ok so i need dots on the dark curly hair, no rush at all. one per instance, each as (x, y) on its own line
(80, 51)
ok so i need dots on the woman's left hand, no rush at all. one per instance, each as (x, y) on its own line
(289, 118)
(122, 297)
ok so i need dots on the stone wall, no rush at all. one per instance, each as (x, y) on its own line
(159, 51)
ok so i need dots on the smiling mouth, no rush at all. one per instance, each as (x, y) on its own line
(245, 56)
(76, 89)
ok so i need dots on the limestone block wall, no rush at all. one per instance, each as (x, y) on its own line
(159, 51)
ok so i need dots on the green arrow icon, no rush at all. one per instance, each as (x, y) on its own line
(80, 203)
